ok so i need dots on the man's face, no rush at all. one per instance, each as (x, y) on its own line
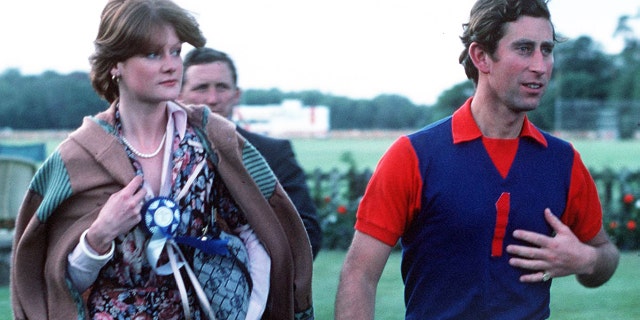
(210, 84)
(522, 64)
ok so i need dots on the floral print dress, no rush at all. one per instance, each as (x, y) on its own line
(128, 287)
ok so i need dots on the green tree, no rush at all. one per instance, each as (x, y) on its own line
(10, 98)
(311, 98)
(348, 114)
(626, 86)
(582, 70)
(46, 101)
(451, 99)
(262, 97)
(392, 112)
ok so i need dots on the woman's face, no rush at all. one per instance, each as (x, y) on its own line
(156, 76)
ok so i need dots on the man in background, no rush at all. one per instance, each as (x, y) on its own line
(210, 78)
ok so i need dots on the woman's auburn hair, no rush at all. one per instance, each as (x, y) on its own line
(127, 28)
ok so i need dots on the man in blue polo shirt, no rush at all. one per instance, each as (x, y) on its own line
(487, 207)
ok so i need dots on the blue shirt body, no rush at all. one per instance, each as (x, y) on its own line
(448, 267)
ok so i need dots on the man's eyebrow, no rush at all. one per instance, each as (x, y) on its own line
(201, 86)
(529, 41)
(549, 44)
(521, 42)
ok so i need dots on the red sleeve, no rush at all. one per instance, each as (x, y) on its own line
(584, 212)
(393, 194)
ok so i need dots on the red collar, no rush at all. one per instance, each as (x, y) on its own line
(465, 128)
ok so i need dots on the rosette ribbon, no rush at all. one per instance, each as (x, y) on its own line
(161, 217)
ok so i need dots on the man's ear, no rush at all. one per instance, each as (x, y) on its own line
(480, 57)
(236, 96)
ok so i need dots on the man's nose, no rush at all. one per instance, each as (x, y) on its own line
(212, 97)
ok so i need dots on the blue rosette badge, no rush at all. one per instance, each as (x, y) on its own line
(160, 218)
(161, 215)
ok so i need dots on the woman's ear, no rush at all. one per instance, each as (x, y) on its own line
(114, 72)
(480, 57)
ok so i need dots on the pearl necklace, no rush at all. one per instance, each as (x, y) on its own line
(145, 155)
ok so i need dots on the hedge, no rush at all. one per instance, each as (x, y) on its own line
(337, 194)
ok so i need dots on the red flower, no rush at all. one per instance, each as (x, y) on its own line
(628, 198)
(631, 225)
(613, 225)
(341, 209)
(327, 199)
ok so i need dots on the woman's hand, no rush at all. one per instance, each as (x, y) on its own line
(118, 216)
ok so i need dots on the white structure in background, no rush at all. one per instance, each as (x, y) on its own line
(290, 118)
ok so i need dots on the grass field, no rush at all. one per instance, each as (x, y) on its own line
(367, 149)
(326, 153)
(618, 299)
